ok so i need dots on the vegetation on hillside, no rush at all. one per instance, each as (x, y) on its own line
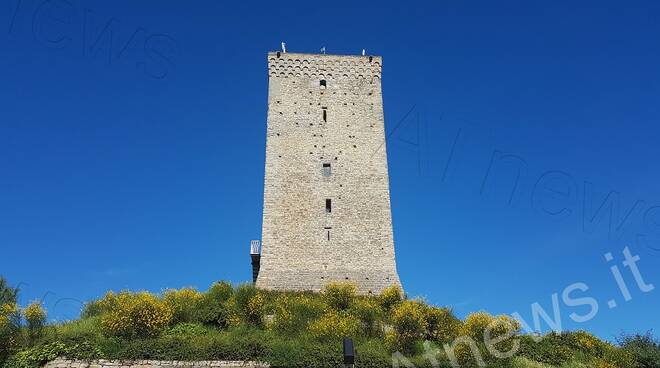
(290, 329)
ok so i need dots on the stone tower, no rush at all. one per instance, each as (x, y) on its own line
(326, 194)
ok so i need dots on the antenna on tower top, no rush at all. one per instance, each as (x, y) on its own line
(283, 47)
(323, 50)
(364, 52)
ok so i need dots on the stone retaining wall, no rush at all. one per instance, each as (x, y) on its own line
(67, 363)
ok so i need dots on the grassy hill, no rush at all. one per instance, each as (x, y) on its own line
(297, 330)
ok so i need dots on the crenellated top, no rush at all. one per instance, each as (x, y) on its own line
(324, 66)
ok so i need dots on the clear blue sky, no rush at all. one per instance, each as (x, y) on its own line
(132, 139)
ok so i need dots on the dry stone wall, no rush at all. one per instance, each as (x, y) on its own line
(66, 363)
(327, 213)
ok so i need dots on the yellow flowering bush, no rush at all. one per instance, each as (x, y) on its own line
(409, 326)
(136, 315)
(340, 295)
(98, 307)
(334, 325)
(289, 328)
(470, 354)
(620, 358)
(609, 355)
(442, 325)
(255, 309)
(587, 343)
(7, 313)
(391, 296)
(475, 325)
(183, 302)
(500, 327)
(35, 316)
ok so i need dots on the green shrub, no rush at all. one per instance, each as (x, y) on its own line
(86, 329)
(334, 325)
(619, 358)
(91, 309)
(247, 305)
(183, 303)
(10, 330)
(390, 297)
(220, 291)
(39, 355)
(212, 308)
(340, 295)
(239, 344)
(372, 354)
(526, 363)
(300, 352)
(305, 331)
(550, 349)
(8, 294)
(292, 313)
(370, 315)
(134, 315)
(585, 342)
(187, 330)
(601, 363)
(643, 347)
(246, 343)
(243, 294)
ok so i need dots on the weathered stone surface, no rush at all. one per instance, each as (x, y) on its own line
(309, 125)
(63, 363)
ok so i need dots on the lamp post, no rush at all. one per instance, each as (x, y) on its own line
(349, 353)
(255, 255)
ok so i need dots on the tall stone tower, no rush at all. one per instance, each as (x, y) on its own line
(326, 194)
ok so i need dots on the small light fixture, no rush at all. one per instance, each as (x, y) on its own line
(349, 352)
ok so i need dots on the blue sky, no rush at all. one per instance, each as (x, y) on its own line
(522, 144)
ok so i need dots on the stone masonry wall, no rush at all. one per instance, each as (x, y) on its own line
(326, 110)
(65, 363)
